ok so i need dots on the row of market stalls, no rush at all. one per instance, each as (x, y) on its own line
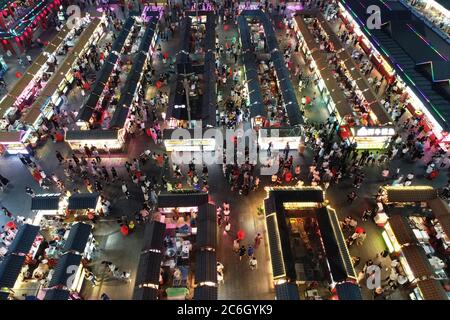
(307, 248)
(21, 20)
(405, 50)
(92, 111)
(416, 232)
(84, 117)
(178, 258)
(46, 264)
(114, 137)
(371, 130)
(289, 132)
(41, 88)
(196, 74)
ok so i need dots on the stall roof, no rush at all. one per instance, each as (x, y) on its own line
(21, 84)
(186, 199)
(294, 195)
(207, 226)
(24, 239)
(10, 136)
(287, 291)
(149, 268)
(205, 293)
(4, 296)
(119, 117)
(34, 111)
(145, 294)
(45, 202)
(410, 193)
(348, 291)
(337, 254)
(10, 269)
(417, 261)
(61, 275)
(57, 294)
(93, 99)
(410, 46)
(38, 62)
(275, 247)
(154, 236)
(91, 135)
(205, 267)
(85, 113)
(83, 201)
(78, 237)
(7, 102)
(402, 230)
(432, 290)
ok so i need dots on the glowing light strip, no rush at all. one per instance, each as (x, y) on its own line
(429, 44)
(393, 61)
(385, 4)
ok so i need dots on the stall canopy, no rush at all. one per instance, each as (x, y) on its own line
(287, 291)
(348, 291)
(62, 271)
(120, 41)
(205, 267)
(186, 199)
(78, 237)
(45, 202)
(10, 269)
(148, 269)
(80, 135)
(207, 226)
(24, 239)
(57, 294)
(402, 231)
(154, 236)
(432, 290)
(410, 194)
(145, 293)
(276, 256)
(205, 293)
(338, 257)
(417, 261)
(80, 201)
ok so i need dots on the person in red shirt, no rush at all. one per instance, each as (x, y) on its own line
(124, 229)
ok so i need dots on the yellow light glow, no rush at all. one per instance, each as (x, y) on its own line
(300, 205)
(387, 241)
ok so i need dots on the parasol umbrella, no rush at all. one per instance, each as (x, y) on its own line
(240, 235)
(359, 230)
(308, 100)
(10, 225)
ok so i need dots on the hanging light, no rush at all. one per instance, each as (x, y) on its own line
(5, 42)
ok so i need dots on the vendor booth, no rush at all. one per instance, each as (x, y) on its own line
(80, 240)
(61, 277)
(172, 142)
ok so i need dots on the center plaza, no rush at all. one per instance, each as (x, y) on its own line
(220, 150)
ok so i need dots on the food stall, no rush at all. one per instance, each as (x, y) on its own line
(372, 137)
(13, 143)
(48, 207)
(79, 239)
(175, 140)
(61, 276)
(113, 139)
(80, 204)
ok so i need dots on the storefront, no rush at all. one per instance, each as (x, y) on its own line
(80, 240)
(113, 140)
(375, 138)
(194, 141)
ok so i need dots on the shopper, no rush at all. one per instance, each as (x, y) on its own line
(253, 263)
(242, 251)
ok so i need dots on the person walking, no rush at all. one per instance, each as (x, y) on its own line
(242, 251)
(258, 240)
(60, 157)
(236, 245)
(250, 251)
(114, 174)
(253, 263)
(125, 189)
(30, 192)
(351, 197)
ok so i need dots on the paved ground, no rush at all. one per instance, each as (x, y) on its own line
(240, 281)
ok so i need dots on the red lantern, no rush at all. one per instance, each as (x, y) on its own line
(15, 5)
(52, 5)
(22, 38)
(226, 27)
(17, 39)
(5, 13)
(18, 74)
(5, 42)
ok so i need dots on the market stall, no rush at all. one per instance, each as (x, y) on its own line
(80, 240)
(175, 140)
(68, 273)
(112, 139)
